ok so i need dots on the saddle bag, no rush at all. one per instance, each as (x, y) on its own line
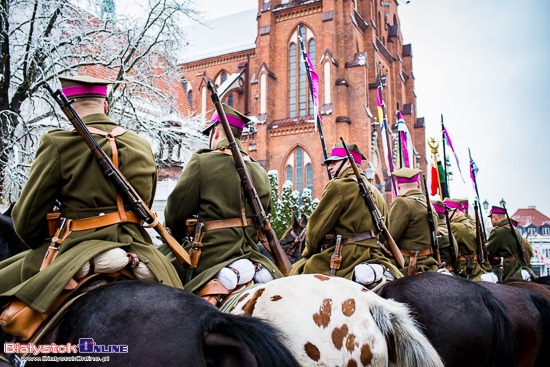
(20, 320)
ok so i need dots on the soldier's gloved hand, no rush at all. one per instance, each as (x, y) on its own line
(444, 271)
(367, 274)
(489, 277)
(237, 273)
(525, 274)
(262, 275)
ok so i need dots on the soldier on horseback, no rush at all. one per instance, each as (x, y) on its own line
(92, 230)
(465, 235)
(409, 226)
(342, 211)
(209, 197)
(504, 253)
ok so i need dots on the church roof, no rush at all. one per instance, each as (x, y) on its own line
(232, 33)
(529, 216)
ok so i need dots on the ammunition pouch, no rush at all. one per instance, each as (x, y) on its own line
(54, 221)
(213, 291)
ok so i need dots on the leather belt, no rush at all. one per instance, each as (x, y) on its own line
(464, 258)
(416, 253)
(102, 221)
(507, 258)
(359, 237)
(228, 223)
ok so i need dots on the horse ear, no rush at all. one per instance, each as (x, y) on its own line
(295, 223)
(303, 221)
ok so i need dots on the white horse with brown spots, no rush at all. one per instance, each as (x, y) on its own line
(331, 321)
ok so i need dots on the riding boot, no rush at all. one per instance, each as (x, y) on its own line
(213, 291)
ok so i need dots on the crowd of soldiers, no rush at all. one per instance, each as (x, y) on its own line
(209, 214)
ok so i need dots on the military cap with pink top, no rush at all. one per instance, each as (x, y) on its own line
(234, 118)
(406, 175)
(83, 86)
(339, 152)
(497, 210)
(453, 203)
(438, 206)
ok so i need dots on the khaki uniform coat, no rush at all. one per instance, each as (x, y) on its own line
(410, 229)
(342, 211)
(65, 169)
(501, 243)
(210, 187)
(443, 242)
(465, 237)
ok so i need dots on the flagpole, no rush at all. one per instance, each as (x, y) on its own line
(399, 134)
(446, 186)
(388, 142)
(434, 145)
(477, 197)
(317, 120)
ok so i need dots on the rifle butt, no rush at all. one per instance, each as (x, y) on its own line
(181, 255)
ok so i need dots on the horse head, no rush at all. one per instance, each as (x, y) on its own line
(294, 238)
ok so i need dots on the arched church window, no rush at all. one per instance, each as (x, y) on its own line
(309, 177)
(311, 51)
(190, 98)
(299, 97)
(288, 174)
(292, 80)
(299, 170)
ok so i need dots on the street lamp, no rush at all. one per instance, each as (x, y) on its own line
(485, 205)
(369, 172)
(502, 203)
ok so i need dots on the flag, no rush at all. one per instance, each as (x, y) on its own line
(383, 131)
(406, 141)
(448, 139)
(314, 80)
(473, 172)
(434, 182)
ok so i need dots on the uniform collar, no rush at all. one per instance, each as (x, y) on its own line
(412, 192)
(503, 223)
(349, 172)
(97, 118)
(225, 143)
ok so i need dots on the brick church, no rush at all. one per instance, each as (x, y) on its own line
(256, 53)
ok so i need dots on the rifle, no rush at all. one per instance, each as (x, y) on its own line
(122, 185)
(317, 119)
(377, 218)
(454, 261)
(479, 241)
(433, 233)
(521, 251)
(260, 218)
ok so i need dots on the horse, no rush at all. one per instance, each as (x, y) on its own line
(332, 321)
(10, 243)
(533, 286)
(530, 315)
(154, 325)
(294, 238)
(466, 323)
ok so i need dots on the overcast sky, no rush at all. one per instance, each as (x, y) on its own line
(484, 65)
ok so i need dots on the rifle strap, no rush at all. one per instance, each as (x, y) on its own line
(117, 131)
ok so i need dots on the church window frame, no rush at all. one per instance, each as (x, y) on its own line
(299, 95)
(298, 169)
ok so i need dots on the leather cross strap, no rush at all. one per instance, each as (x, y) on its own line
(359, 237)
(102, 221)
(227, 223)
(416, 253)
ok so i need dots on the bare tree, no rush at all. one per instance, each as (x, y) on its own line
(42, 39)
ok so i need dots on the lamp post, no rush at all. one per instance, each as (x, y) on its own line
(369, 172)
(502, 203)
(486, 205)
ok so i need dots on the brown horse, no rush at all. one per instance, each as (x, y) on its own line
(294, 239)
(466, 324)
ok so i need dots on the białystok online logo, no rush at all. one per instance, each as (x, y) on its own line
(87, 345)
